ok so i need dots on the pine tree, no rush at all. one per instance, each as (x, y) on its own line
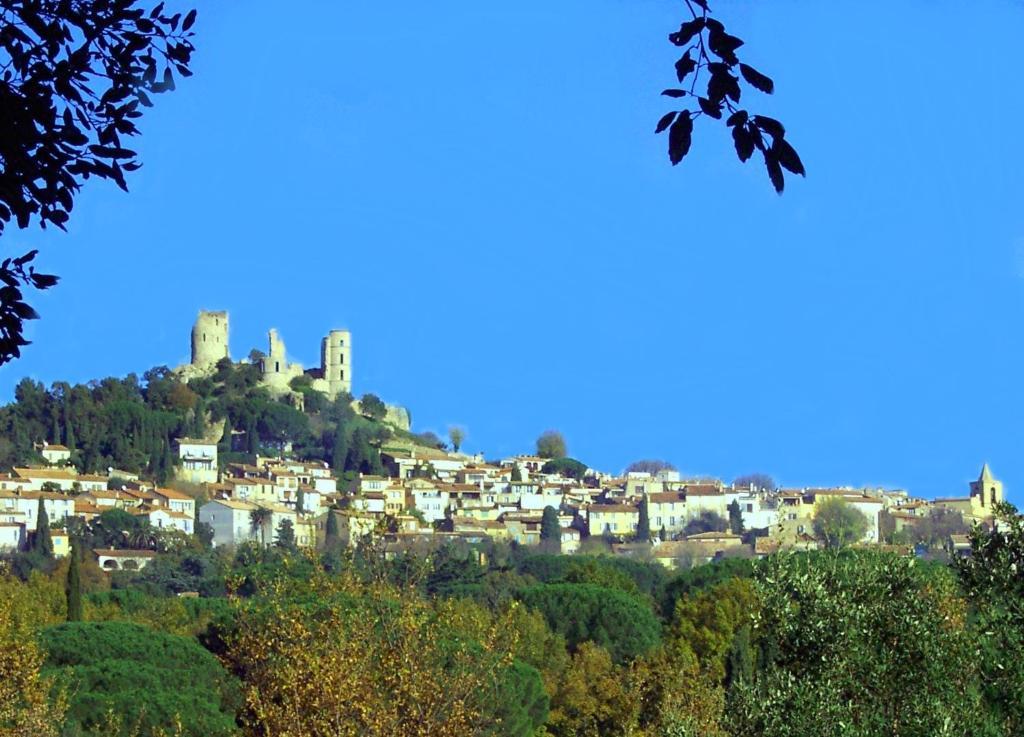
(517, 475)
(340, 453)
(300, 501)
(41, 541)
(285, 535)
(662, 534)
(252, 439)
(73, 588)
(643, 524)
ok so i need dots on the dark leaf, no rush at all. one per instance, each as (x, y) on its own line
(189, 20)
(737, 118)
(684, 66)
(757, 80)
(788, 156)
(686, 32)
(666, 121)
(22, 260)
(24, 311)
(710, 108)
(774, 171)
(44, 281)
(770, 126)
(743, 142)
(674, 93)
(679, 137)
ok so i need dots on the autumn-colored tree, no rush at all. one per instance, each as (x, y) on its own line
(336, 656)
(26, 707)
(595, 698)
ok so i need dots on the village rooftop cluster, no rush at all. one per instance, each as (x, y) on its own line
(430, 497)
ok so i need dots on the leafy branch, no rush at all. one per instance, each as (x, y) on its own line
(73, 75)
(721, 96)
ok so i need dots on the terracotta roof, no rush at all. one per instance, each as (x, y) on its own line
(172, 494)
(613, 509)
(703, 490)
(666, 497)
(713, 536)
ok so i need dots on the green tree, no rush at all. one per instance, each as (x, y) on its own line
(42, 542)
(331, 532)
(285, 535)
(339, 453)
(550, 530)
(148, 679)
(612, 619)
(861, 644)
(650, 465)
(258, 519)
(73, 587)
(991, 579)
(643, 525)
(735, 518)
(568, 467)
(551, 444)
(456, 435)
(372, 406)
(838, 523)
(300, 501)
(517, 475)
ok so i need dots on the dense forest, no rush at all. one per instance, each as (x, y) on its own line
(504, 641)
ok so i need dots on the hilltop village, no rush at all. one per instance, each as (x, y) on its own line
(238, 481)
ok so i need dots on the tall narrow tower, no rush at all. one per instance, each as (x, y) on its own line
(336, 361)
(209, 338)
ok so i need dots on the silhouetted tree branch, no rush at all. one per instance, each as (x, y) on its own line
(73, 75)
(701, 35)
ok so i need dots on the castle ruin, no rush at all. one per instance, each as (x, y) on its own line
(210, 345)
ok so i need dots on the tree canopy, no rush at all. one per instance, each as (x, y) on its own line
(551, 444)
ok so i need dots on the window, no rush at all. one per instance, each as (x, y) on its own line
(750, 508)
(204, 337)
(341, 358)
(277, 366)
(341, 374)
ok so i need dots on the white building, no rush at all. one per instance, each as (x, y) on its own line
(198, 461)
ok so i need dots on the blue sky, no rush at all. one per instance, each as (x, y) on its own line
(475, 190)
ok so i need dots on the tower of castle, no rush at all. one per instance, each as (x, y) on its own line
(336, 361)
(209, 338)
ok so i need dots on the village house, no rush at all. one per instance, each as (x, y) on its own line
(198, 461)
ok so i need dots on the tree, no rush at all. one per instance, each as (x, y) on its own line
(285, 535)
(300, 501)
(73, 587)
(147, 679)
(706, 522)
(42, 542)
(331, 532)
(456, 435)
(517, 475)
(650, 466)
(757, 481)
(643, 524)
(340, 451)
(702, 34)
(258, 519)
(372, 406)
(610, 618)
(859, 643)
(72, 87)
(550, 530)
(735, 518)
(839, 523)
(551, 444)
(991, 579)
(568, 467)
(26, 706)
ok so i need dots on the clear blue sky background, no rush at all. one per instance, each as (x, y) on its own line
(475, 190)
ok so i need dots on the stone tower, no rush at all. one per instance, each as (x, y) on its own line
(336, 361)
(209, 338)
(987, 490)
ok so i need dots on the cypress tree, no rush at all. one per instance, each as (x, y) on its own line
(300, 501)
(340, 453)
(550, 530)
(643, 524)
(198, 428)
(739, 668)
(331, 535)
(55, 430)
(41, 541)
(252, 437)
(69, 432)
(517, 475)
(73, 588)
